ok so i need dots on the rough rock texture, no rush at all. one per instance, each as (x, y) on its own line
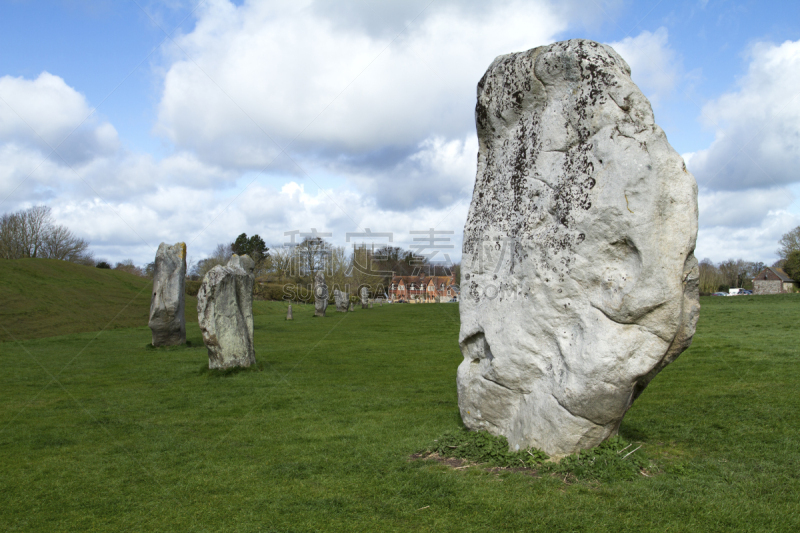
(364, 297)
(167, 317)
(225, 313)
(342, 299)
(579, 279)
(320, 294)
(289, 313)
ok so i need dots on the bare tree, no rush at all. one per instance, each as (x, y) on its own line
(60, 243)
(222, 253)
(33, 233)
(10, 244)
(128, 266)
(314, 254)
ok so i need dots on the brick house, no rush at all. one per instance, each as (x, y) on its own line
(773, 280)
(422, 288)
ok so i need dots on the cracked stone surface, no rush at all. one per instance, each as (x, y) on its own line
(225, 313)
(168, 303)
(320, 294)
(579, 280)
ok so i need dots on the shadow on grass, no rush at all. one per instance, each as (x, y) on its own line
(226, 372)
(190, 344)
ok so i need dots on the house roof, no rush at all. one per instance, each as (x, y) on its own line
(423, 280)
(783, 276)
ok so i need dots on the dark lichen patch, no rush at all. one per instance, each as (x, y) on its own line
(535, 203)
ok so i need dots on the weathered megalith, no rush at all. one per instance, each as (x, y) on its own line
(320, 294)
(289, 313)
(352, 307)
(364, 297)
(225, 313)
(167, 317)
(579, 279)
(341, 299)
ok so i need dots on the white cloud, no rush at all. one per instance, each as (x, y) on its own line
(126, 203)
(747, 174)
(741, 209)
(757, 140)
(439, 173)
(48, 114)
(758, 242)
(655, 67)
(263, 75)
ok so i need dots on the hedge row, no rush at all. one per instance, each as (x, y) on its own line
(267, 291)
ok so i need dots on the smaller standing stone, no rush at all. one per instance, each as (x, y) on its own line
(167, 317)
(364, 297)
(320, 295)
(341, 299)
(289, 313)
(370, 305)
(352, 308)
(225, 313)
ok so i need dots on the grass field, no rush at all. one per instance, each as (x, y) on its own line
(46, 297)
(99, 432)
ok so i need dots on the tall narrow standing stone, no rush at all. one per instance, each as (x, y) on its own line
(579, 278)
(225, 313)
(364, 297)
(167, 317)
(289, 313)
(320, 294)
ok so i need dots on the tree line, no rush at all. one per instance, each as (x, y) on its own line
(343, 269)
(32, 233)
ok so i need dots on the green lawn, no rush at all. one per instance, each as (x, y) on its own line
(98, 432)
(45, 297)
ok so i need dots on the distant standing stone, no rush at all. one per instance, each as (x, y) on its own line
(341, 299)
(320, 295)
(167, 317)
(352, 307)
(289, 313)
(225, 313)
(364, 297)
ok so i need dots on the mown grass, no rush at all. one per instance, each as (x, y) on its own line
(101, 433)
(46, 297)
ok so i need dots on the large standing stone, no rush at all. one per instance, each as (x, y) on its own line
(167, 317)
(579, 279)
(320, 294)
(341, 299)
(225, 313)
(364, 297)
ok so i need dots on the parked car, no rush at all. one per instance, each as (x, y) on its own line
(720, 294)
(745, 291)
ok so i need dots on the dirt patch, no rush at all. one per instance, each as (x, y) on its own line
(459, 464)
(452, 462)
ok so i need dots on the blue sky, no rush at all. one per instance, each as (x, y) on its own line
(215, 117)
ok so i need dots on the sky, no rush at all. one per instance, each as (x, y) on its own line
(148, 121)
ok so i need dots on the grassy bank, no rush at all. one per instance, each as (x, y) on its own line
(101, 433)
